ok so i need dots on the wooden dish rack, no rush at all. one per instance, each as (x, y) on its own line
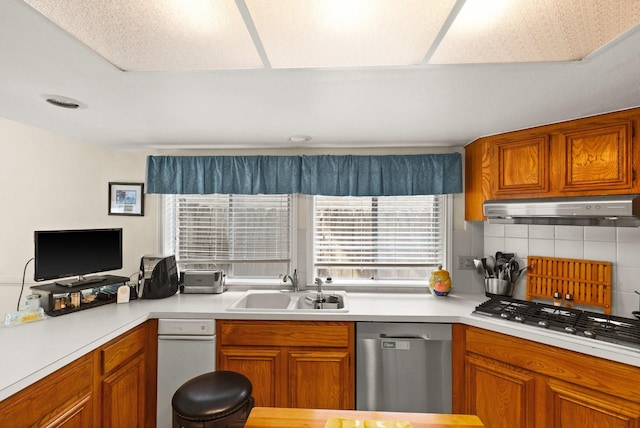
(588, 281)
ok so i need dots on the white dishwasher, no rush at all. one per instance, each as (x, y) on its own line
(186, 349)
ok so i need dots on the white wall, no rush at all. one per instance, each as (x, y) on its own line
(52, 182)
(620, 246)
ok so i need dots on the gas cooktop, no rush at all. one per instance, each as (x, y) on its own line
(607, 328)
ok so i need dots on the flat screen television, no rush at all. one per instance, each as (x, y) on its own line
(76, 253)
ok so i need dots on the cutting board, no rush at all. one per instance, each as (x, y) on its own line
(588, 281)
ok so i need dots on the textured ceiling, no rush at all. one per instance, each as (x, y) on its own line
(138, 35)
(259, 77)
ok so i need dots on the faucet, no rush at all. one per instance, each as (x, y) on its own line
(320, 296)
(295, 287)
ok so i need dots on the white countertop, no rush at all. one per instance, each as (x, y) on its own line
(34, 350)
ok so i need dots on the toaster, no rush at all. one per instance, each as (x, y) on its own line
(202, 282)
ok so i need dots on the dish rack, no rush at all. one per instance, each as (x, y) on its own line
(588, 282)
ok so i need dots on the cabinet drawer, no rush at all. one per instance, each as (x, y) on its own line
(122, 349)
(285, 333)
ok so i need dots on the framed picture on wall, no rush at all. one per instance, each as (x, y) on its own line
(126, 199)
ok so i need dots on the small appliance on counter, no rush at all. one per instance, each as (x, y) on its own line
(202, 282)
(158, 277)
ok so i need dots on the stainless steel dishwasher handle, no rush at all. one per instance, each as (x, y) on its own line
(405, 336)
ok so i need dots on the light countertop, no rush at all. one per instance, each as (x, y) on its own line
(34, 350)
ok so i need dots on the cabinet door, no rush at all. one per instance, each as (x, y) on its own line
(123, 396)
(78, 416)
(477, 180)
(570, 406)
(54, 400)
(263, 367)
(597, 159)
(320, 379)
(501, 395)
(520, 167)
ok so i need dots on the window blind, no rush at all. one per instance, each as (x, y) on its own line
(227, 229)
(362, 237)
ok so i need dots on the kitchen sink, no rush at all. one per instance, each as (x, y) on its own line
(285, 301)
(331, 301)
(265, 301)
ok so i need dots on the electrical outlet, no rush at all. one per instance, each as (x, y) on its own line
(466, 263)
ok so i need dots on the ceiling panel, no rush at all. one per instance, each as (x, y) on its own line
(142, 35)
(344, 33)
(502, 31)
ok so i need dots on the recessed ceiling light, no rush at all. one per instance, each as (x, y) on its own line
(62, 101)
(299, 138)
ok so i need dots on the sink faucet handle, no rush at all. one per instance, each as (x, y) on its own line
(294, 280)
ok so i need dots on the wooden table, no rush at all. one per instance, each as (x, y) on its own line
(271, 417)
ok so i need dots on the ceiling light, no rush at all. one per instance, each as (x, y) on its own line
(507, 31)
(139, 35)
(64, 102)
(299, 138)
(347, 33)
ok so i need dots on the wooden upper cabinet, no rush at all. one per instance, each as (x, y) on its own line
(590, 156)
(520, 167)
(476, 179)
(598, 158)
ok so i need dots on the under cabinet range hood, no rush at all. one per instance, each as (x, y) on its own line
(605, 210)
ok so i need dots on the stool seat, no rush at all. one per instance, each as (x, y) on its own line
(211, 397)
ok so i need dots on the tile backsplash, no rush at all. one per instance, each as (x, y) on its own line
(620, 246)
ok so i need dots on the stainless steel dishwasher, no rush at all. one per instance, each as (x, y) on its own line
(403, 367)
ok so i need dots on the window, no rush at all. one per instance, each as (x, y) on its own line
(379, 238)
(248, 236)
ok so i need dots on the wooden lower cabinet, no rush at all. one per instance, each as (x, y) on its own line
(292, 363)
(262, 366)
(320, 379)
(126, 365)
(123, 396)
(77, 416)
(113, 386)
(569, 405)
(500, 393)
(62, 399)
(515, 383)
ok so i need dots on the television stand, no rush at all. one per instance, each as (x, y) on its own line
(59, 300)
(81, 280)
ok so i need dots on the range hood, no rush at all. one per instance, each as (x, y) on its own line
(606, 210)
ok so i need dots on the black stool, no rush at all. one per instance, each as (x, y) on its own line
(220, 399)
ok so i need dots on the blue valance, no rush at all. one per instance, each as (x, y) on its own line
(349, 175)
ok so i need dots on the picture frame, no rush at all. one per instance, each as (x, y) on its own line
(126, 199)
